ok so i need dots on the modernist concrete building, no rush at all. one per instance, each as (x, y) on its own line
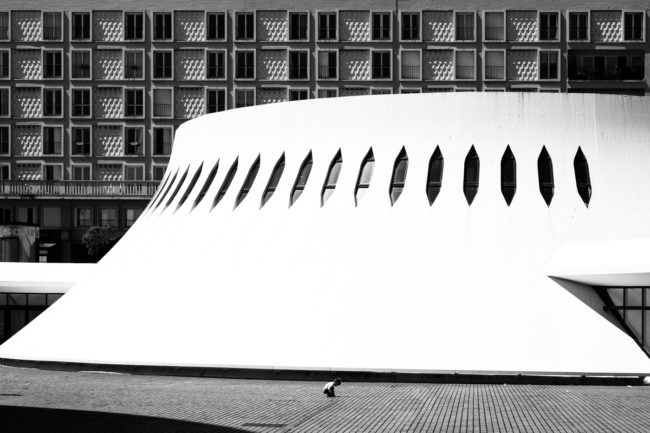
(473, 232)
(91, 94)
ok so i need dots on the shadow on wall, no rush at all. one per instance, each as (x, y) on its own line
(588, 296)
(18, 419)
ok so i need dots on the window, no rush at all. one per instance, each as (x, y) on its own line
(80, 64)
(545, 173)
(162, 102)
(327, 93)
(133, 141)
(465, 65)
(80, 172)
(133, 26)
(244, 26)
(52, 29)
(83, 216)
(52, 140)
(226, 183)
(162, 26)
(206, 185)
(399, 176)
(434, 176)
(162, 64)
(471, 175)
(248, 182)
(614, 65)
(4, 102)
(464, 26)
(508, 175)
(5, 171)
(216, 64)
(332, 177)
(298, 94)
(108, 217)
(495, 65)
(133, 172)
(4, 140)
(5, 215)
(631, 306)
(4, 64)
(245, 65)
(178, 187)
(244, 98)
(158, 172)
(410, 65)
(633, 26)
(276, 174)
(131, 215)
(327, 65)
(301, 179)
(134, 106)
(548, 65)
(548, 26)
(494, 26)
(52, 102)
(52, 67)
(52, 217)
(298, 26)
(162, 140)
(216, 100)
(80, 26)
(365, 175)
(216, 23)
(578, 26)
(381, 26)
(134, 64)
(4, 26)
(583, 182)
(327, 25)
(410, 26)
(381, 65)
(80, 140)
(53, 171)
(27, 215)
(80, 103)
(298, 65)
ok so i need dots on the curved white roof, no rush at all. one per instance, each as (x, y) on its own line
(370, 285)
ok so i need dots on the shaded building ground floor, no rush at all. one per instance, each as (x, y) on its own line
(85, 401)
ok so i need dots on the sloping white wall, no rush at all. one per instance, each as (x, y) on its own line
(409, 286)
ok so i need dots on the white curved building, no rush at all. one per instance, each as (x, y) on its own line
(437, 232)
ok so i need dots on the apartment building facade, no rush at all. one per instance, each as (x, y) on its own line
(90, 96)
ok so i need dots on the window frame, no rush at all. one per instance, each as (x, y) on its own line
(141, 154)
(318, 13)
(51, 164)
(124, 65)
(153, 152)
(484, 66)
(75, 214)
(388, 51)
(153, 15)
(54, 50)
(235, 27)
(225, 63)
(153, 64)
(558, 37)
(90, 63)
(9, 65)
(81, 164)
(308, 66)
(73, 153)
(126, 89)
(327, 50)
(60, 13)
(72, 104)
(643, 26)
(473, 12)
(8, 152)
(484, 27)
(225, 25)
(8, 165)
(401, 25)
(568, 25)
(390, 25)
(124, 26)
(539, 64)
(245, 50)
(153, 102)
(225, 99)
(455, 78)
(72, 13)
(43, 90)
(155, 165)
(9, 27)
(135, 165)
(318, 88)
(401, 64)
(297, 89)
(8, 89)
(244, 89)
(308, 29)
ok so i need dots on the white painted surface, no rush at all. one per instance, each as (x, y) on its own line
(42, 277)
(409, 286)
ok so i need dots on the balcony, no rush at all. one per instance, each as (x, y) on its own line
(410, 72)
(75, 189)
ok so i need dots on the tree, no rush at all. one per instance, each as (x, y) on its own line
(96, 240)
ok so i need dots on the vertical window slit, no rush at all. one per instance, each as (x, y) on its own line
(508, 175)
(206, 185)
(248, 182)
(178, 187)
(365, 174)
(226, 183)
(471, 175)
(332, 177)
(161, 186)
(583, 181)
(190, 187)
(545, 172)
(399, 176)
(301, 180)
(167, 189)
(276, 174)
(434, 177)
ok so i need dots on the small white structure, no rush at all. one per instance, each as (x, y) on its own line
(438, 232)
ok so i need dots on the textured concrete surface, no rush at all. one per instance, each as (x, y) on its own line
(51, 401)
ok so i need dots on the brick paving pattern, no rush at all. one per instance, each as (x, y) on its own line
(226, 405)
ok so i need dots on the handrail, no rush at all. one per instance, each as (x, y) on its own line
(78, 188)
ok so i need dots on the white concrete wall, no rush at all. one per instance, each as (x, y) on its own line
(409, 286)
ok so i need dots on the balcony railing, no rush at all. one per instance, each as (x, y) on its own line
(162, 110)
(410, 72)
(494, 73)
(52, 33)
(75, 188)
(494, 33)
(464, 72)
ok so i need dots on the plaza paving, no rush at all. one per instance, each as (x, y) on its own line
(34, 400)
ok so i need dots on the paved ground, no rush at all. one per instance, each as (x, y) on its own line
(93, 402)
